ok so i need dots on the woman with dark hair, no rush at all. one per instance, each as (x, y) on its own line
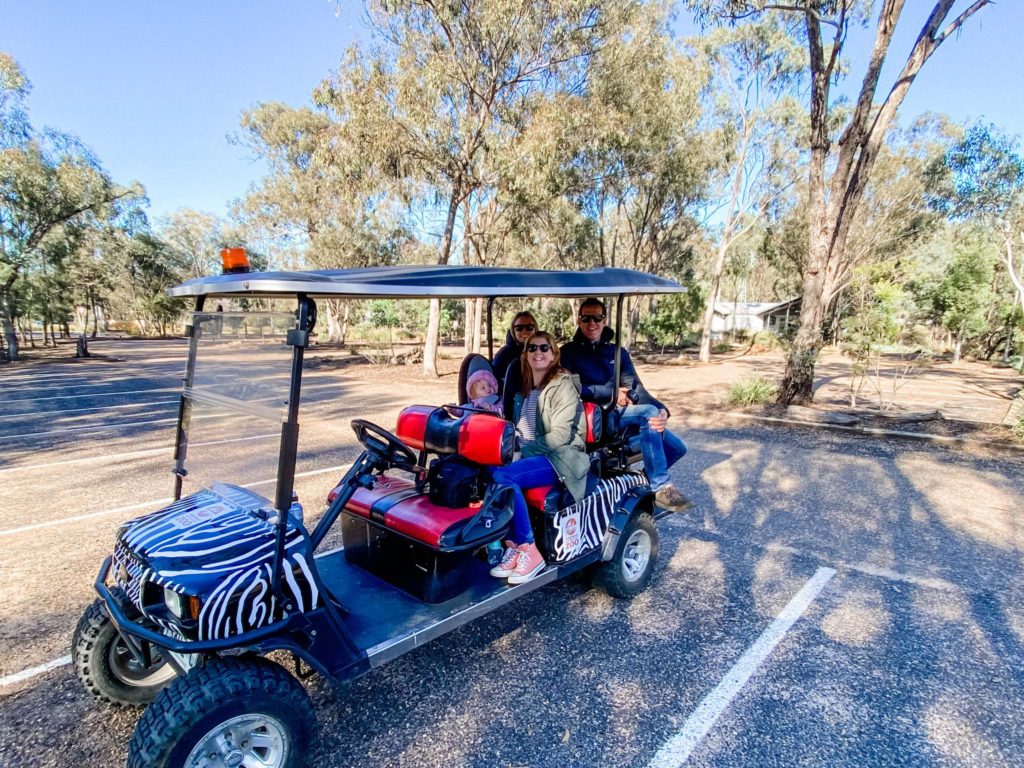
(523, 324)
(549, 420)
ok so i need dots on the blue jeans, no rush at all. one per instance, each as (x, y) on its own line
(660, 449)
(532, 472)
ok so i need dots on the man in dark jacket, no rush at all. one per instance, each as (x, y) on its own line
(523, 326)
(591, 356)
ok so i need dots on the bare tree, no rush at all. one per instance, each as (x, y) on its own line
(833, 198)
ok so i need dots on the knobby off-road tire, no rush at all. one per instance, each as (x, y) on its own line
(629, 571)
(107, 668)
(229, 707)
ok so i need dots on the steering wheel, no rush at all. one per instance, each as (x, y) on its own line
(385, 446)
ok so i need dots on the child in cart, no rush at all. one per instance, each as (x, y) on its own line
(482, 388)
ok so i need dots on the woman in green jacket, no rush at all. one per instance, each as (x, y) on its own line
(549, 420)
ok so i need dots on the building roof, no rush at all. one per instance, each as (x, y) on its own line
(751, 308)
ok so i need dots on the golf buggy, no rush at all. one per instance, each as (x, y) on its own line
(196, 594)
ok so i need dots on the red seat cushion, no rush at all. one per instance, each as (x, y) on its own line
(535, 496)
(419, 518)
(393, 503)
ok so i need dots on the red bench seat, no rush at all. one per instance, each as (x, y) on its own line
(394, 503)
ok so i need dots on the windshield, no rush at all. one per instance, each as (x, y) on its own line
(238, 395)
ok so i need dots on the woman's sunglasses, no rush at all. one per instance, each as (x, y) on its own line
(524, 327)
(538, 347)
(592, 318)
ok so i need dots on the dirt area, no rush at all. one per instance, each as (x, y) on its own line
(973, 398)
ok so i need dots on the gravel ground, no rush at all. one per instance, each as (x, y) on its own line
(912, 654)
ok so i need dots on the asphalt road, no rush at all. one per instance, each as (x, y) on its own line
(911, 654)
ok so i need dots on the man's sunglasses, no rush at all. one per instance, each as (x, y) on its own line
(524, 327)
(538, 347)
(592, 318)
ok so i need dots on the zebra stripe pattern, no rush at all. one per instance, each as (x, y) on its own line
(213, 545)
(582, 527)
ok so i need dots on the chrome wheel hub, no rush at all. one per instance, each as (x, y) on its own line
(246, 741)
(636, 555)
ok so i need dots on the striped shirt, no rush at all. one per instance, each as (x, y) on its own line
(527, 425)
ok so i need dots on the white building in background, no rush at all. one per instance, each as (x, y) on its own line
(753, 316)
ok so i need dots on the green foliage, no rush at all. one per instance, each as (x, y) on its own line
(961, 298)
(672, 318)
(764, 341)
(753, 390)
(979, 176)
(1018, 428)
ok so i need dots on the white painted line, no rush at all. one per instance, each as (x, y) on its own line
(152, 503)
(25, 674)
(108, 427)
(80, 396)
(63, 411)
(677, 750)
(110, 457)
(89, 516)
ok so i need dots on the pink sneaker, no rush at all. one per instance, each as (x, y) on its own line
(529, 564)
(507, 566)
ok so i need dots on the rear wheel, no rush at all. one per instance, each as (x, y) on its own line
(629, 571)
(108, 669)
(228, 712)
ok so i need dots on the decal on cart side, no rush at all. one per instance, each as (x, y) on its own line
(581, 527)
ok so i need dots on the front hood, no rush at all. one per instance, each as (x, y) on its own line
(223, 528)
(216, 544)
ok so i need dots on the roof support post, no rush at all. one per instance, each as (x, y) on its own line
(490, 328)
(185, 405)
(618, 349)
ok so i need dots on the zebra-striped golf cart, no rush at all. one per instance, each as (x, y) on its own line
(196, 595)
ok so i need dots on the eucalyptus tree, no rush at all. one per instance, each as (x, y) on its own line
(756, 70)
(981, 180)
(443, 82)
(838, 170)
(321, 196)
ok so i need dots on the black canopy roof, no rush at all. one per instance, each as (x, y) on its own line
(457, 282)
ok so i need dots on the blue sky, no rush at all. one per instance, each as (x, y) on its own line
(156, 87)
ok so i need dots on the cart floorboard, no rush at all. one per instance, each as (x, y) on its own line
(386, 622)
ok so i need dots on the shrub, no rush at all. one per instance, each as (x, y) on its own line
(753, 390)
(721, 347)
(1018, 428)
(766, 340)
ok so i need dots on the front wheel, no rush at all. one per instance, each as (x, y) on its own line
(107, 667)
(228, 712)
(629, 571)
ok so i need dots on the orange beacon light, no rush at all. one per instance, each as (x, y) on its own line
(233, 260)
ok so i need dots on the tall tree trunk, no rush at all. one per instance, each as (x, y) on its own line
(858, 148)
(478, 312)
(467, 326)
(434, 322)
(7, 318)
(958, 345)
(709, 311)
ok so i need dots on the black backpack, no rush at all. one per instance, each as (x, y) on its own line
(455, 482)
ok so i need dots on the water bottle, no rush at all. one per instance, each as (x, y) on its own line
(494, 552)
(295, 511)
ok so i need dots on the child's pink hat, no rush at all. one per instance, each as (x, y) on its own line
(481, 375)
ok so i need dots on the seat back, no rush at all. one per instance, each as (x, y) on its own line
(513, 380)
(471, 363)
(595, 426)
